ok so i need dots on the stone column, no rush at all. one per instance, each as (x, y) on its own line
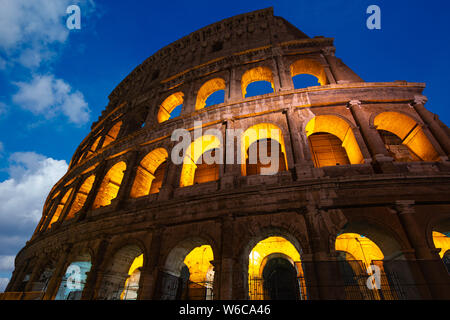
(231, 168)
(328, 282)
(52, 287)
(128, 179)
(430, 119)
(282, 72)
(226, 262)
(433, 270)
(171, 179)
(303, 167)
(188, 100)
(234, 90)
(95, 273)
(35, 273)
(150, 271)
(99, 175)
(370, 135)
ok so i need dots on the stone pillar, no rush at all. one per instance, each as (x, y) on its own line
(231, 166)
(95, 273)
(234, 90)
(282, 72)
(128, 179)
(52, 287)
(433, 270)
(370, 135)
(327, 283)
(303, 167)
(188, 100)
(150, 271)
(430, 119)
(226, 262)
(35, 273)
(171, 179)
(87, 207)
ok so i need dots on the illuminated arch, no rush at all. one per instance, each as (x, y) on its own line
(60, 207)
(110, 185)
(112, 134)
(190, 261)
(309, 66)
(168, 105)
(339, 128)
(256, 74)
(149, 176)
(208, 88)
(409, 132)
(441, 241)
(359, 248)
(270, 248)
(80, 266)
(196, 149)
(121, 279)
(81, 196)
(257, 132)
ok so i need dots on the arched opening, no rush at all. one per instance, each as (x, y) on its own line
(93, 147)
(336, 128)
(304, 81)
(372, 264)
(170, 107)
(275, 271)
(110, 185)
(264, 147)
(263, 150)
(258, 74)
(60, 208)
(204, 154)
(150, 173)
(327, 150)
(74, 279)
(121, 279)
(112, 134)
(404, 137)
(189, 273)
(209, 93)
(81, 196)
(442, 241)
(309, 67)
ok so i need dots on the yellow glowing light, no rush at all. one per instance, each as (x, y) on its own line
(193, 153)
(341, 129)
(198, 262)
(441, 241)
(81, 196)
(256, 74)
(258, 132)
(146, 172)
(360, 248)
(132, 281)
(170, 103)
(409, 132)
(112, 134)
(308, 66)
(60, 207)
(110, 185)
(208, 88)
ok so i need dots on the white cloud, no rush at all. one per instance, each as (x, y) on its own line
(29, 28)
(6, 263)
(47, 96)
(22, 195)
(3, 284)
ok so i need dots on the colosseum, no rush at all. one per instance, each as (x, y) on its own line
(358, 206)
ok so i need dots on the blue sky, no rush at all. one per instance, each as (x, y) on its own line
(54, 82)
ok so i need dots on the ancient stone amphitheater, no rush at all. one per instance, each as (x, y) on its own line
(359, 207)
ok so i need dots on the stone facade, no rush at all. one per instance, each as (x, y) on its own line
(396, 204)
